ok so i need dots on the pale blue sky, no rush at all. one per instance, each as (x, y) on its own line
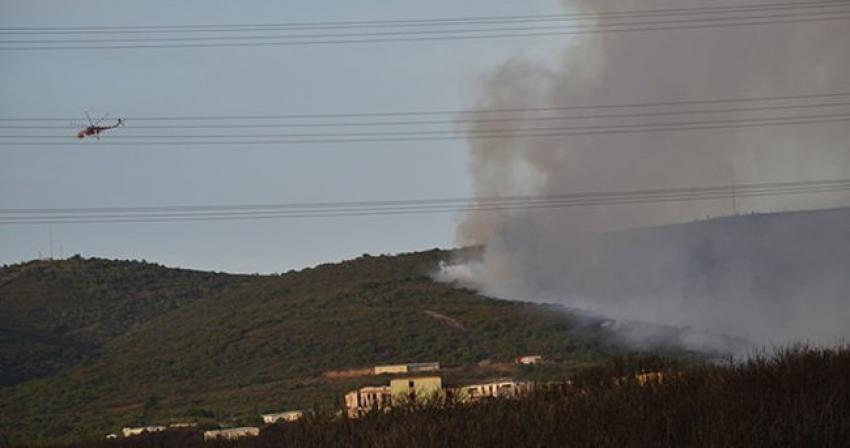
(265, 80)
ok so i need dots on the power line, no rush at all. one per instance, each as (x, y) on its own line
(752, 187)
(406, 32)
(511, 131)
(317, 210)
(457, 120)
(758, 7)
(470, 132)
(542, 132)
(413, 36)
(463, 112)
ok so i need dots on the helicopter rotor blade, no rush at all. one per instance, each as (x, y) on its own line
(88, 117)
(101, 119)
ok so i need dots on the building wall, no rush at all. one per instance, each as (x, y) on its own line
(289, 416)
(423, 367)
(530, 359)
(367, 398)
(232, 433)
(413, 367)
(352, 399)
(504, 389)
(651, 377)
(394, 368)
(136, 431)
(374, 397)
(419, 387)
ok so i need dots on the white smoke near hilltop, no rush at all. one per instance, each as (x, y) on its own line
(742, 276)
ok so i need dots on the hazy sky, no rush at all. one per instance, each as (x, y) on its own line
(234, 81)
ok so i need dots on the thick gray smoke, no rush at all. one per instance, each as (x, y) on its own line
(769, 279)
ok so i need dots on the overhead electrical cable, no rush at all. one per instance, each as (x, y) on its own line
(317, 210)
(300, 37)
(433, 201)
(4, 46)
(412, 35)
(508, 132)
(517, 133)
(646, 104)
(756, 7)
(457, 120)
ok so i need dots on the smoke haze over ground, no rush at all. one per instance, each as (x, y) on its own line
(771, 280)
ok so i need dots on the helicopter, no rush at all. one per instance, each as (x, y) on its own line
(94, 129)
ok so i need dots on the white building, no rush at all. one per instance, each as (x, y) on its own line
(423, 387)
(232, 433)
(529, 359)
(288, 416)
(368, 398)
(494, 389)
(413, 367)
(134, 431)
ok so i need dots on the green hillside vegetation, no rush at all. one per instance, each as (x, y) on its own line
(151, 345)
(55, 314)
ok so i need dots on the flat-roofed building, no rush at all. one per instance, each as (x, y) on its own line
(417, 367)
(493, 389)
(288, 416)
(529, 359)
(367, 398)
(134, 431)
(390, 369)
(650, 378)
(413, 367)
(415, 387)
(232, 433)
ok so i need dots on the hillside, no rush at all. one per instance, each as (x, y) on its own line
(151, 344)
(58, 313)
(773, 278)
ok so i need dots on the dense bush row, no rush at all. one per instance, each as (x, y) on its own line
(795, 398)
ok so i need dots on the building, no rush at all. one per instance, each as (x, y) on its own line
(288, 416)
(647, 378)
(182, 425)
(415, 387)
(650, 378)
(134, 431)
(529, 359)
(389, 369)
(367, 398)
(232, 433)
(414, 367)
(494, 389)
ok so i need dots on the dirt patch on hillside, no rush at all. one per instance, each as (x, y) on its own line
(344, 374)
(445, 319)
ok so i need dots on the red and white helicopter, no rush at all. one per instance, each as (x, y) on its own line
(94, 130)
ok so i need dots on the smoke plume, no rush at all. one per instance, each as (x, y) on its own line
(766, 278)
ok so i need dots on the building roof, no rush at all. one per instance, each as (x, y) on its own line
(234, 430)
